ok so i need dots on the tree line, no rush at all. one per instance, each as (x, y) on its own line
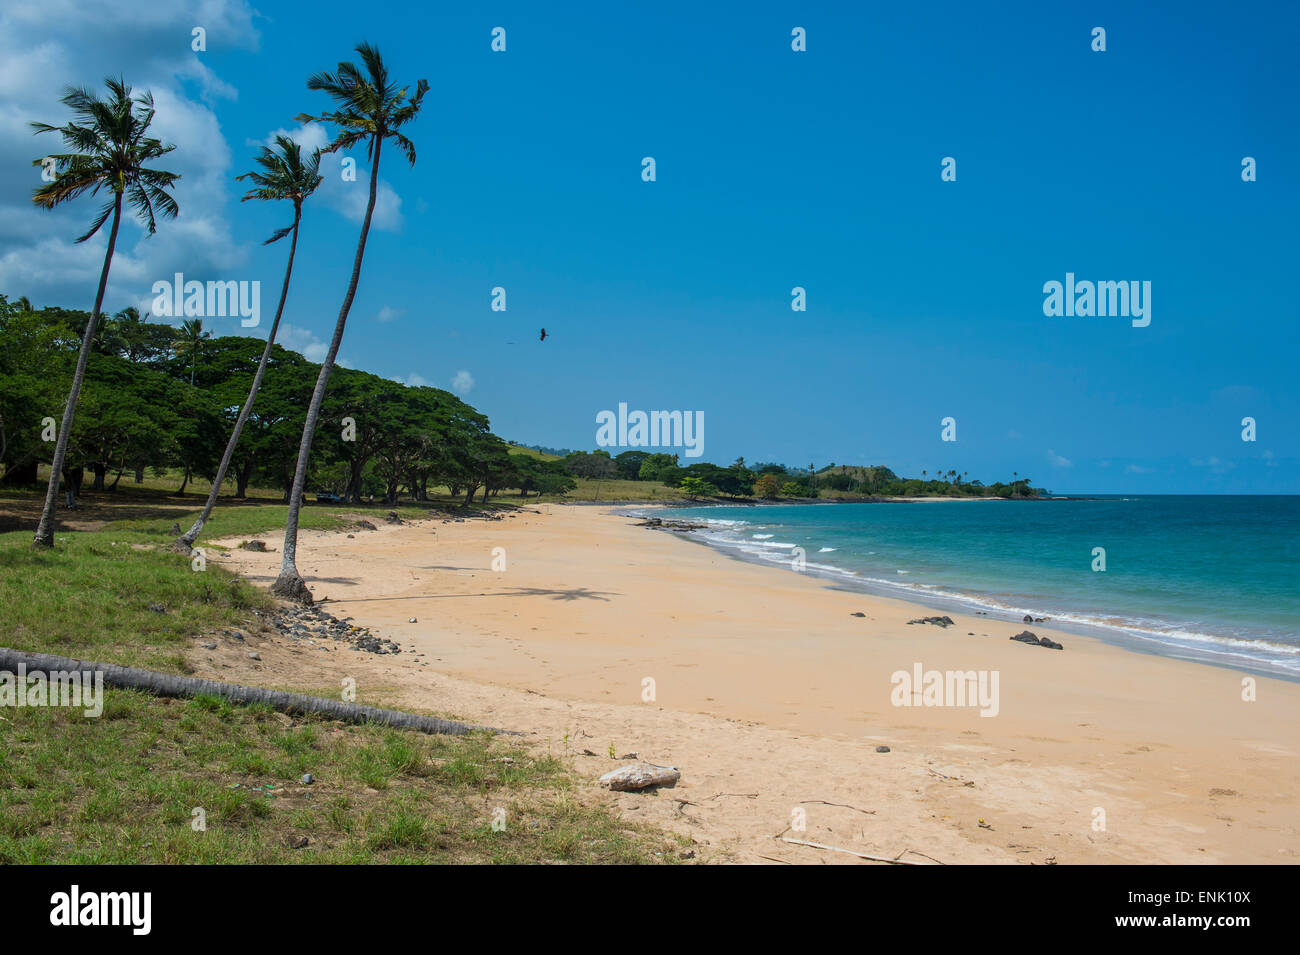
(157, 399)
(771, 481)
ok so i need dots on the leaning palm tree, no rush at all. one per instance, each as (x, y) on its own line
(191, 339)
(371, 109)
(284, 175)
(109, 145)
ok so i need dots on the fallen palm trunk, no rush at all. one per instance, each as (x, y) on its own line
(168, 684)
(639, 776)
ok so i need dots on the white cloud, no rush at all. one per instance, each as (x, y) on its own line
(303, 341)
(1215, 465)
(52, 44)
(388, 313)
(1138, 469)
(462, 382)
(1057, 461)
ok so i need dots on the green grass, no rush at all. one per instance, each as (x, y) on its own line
(250, 520)
(90, 597)
(618, 489)
(124, 787)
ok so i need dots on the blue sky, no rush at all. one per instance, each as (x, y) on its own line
(775, 169)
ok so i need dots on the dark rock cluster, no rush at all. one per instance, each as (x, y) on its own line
(312, 623)
(1026, 636)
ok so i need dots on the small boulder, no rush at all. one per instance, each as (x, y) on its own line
(944, 622)
(1026, 637)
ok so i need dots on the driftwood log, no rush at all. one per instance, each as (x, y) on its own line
(639, 775)
(168, 684)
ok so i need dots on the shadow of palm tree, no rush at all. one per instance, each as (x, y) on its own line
(573, 593)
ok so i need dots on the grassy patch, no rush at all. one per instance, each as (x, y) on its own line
(95, 594)
(124, 787)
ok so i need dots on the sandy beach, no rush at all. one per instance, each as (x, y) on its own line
(772, 698)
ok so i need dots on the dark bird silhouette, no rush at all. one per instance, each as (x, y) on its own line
(543, 338)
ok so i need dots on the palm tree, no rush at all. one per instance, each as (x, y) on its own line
(110, 146)
(371, 110)
(191, 339)
(285, 175)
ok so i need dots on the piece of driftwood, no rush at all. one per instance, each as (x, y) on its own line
(852, 852)
(168, 684)
(639, 775)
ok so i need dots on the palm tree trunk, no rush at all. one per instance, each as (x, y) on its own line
(166, 684)
(290, 584)
(45, 529)
(186, 541)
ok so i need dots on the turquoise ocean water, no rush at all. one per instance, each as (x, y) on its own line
(1211, 578)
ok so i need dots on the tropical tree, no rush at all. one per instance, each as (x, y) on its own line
(109, 147)
(191, 340)
(698, 487)
(370, 109)
(284, 175)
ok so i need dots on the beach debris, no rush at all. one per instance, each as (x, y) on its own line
(307, 779)
(640, 775)
(1031, 638)
(882, 749)
(208, 646)
(366, 525)
(841, 805)
(157, 608)
(412, 620)
(897, 860)
(259, 546)
(857, 613)
(254, 655)
(392, 518)
(944, 621)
